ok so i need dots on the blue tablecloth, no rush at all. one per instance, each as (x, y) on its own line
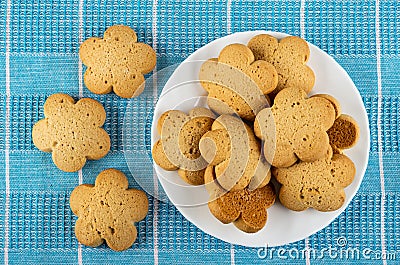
(39, 43)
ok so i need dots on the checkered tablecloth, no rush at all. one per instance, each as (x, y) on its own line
(39, 43)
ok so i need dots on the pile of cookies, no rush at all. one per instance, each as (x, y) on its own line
(262, 126)
(72, 132)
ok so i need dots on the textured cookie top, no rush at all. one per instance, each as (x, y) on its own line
(319, 184)
(107, 211)
(289, 56)
(116, 62)
(235, 153)
(72, 131)
(335, 103)
(245, 208)
(178, 146)
(236, 79)
(295, 127)
(344, 133)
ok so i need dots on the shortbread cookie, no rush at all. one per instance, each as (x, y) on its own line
(178, 146)
(108, 210)
(319, 184)
(72, 131)
(335, 103)
(116, 62)
(247, 209)
(237, 80)
(344, 133)
(289, 56)
(295, 127)
(192, 177)
(235, 154)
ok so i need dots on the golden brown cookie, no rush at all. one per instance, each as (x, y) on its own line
(236, 82)
(116, 62)
(178, 146)
(247, 209)
(72, 131)
(344, 133)
(108, 210)
(335, 103)
(319, 184)
(289, 56)
(295, 127)
(235, 154)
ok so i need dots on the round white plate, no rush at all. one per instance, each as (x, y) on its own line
(283, 226)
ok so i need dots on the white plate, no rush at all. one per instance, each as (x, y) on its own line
(283, 226)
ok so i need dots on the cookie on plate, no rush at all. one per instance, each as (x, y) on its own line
(247, 209)
(344, 133)
(295, 127)
(319, 184)
(72, 131)
(108, 210)
(237, 83)
(178, 146)
(289, 56)
(116, 62)
(234, 153)
(335, 103)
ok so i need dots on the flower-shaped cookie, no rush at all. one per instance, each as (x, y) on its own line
(116, 62)
(234, 152)
(237, 80)
(107, 211)
(247, 209)
(319, 184)
(289, 56)
(72, 131)
(295, 127)
(178, 146)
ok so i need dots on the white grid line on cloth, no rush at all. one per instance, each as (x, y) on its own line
(228, 17)
(232, 254)
(80, 176)
(302, 35)
(302, 18)
(380, 147)
(80, 259)
(7, 151)
(307, 248)
(155, 178)
(80, 77)
(80, 39)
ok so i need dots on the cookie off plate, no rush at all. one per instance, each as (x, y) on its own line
(183, 92)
